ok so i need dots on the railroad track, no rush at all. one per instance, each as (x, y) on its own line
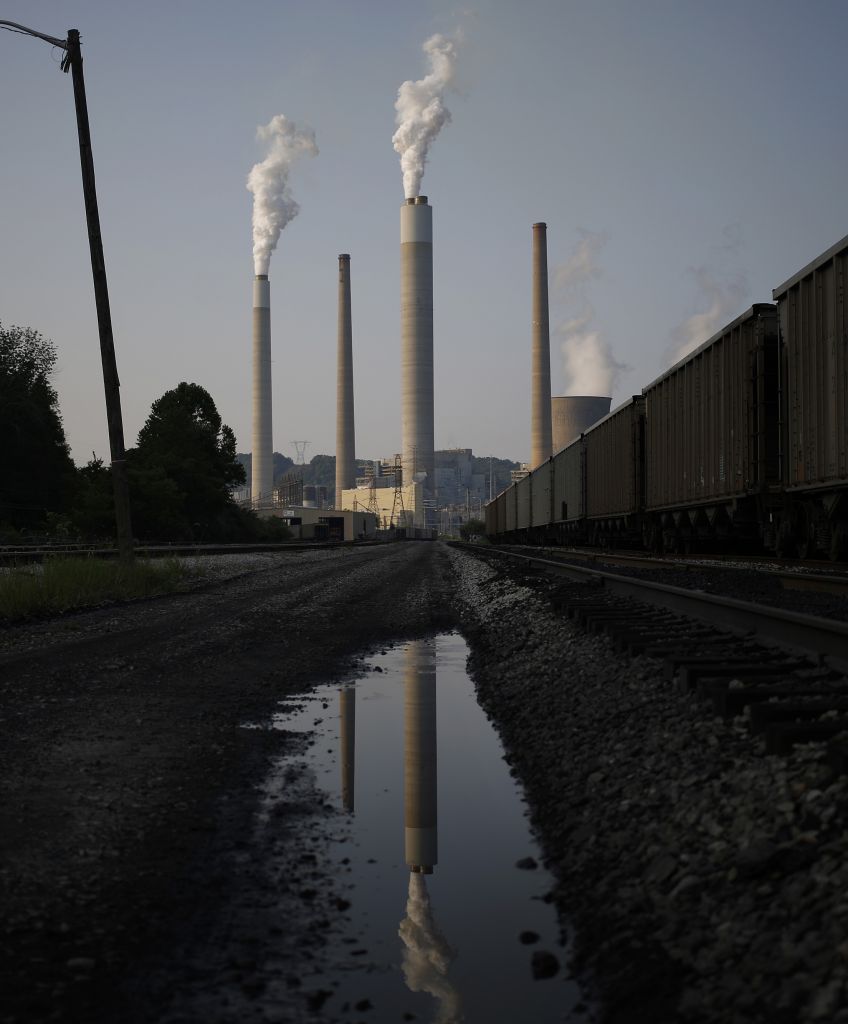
(18, 554)
(786, 672)
(810, 575)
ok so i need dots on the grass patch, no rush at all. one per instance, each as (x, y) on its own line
(63, 584)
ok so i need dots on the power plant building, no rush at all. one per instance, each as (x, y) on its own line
(382, 501)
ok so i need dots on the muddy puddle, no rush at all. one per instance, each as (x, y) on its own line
(442, 903)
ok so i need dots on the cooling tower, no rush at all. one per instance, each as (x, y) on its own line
(419, 755)
(574, 414)
(540, 414)
(262, 462)
(345, 447)
(416, 320)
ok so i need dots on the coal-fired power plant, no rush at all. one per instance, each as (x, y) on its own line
(345, 442)
(262, 463)
(571, 415)
(416, 315)
(540, 399)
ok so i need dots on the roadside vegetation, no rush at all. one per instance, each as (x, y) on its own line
(181, 472)
(65, 584)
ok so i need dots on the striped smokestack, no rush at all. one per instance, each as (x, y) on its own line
(540, 415)
(262, 462)
(416, 319)
(345, 444)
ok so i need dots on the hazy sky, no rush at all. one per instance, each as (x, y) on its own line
(687, 157)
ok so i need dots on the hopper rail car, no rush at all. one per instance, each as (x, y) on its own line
(741, 445)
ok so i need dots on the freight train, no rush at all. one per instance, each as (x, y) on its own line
(742, 445)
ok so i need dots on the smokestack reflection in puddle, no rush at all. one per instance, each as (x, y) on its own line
(347, 728)
(427, 955)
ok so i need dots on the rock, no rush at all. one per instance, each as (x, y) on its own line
(543, 965)
(81, 963)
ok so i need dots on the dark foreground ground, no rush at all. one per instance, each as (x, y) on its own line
(147, 877)
(128, 790)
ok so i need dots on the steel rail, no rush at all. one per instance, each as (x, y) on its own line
(833, 581)
(826, 639)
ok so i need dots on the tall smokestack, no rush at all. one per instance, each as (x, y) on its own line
(540, 416)
(262, 461)
(345, 445)
(416, 318)
(573, 414)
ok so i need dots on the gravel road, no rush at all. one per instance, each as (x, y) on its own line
(128, 789)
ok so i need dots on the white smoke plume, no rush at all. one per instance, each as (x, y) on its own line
(421, 111)
(588, 363)
(273, 204)
(723, 298)
(427, 955)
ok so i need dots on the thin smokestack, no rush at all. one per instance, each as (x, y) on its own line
(416, 316)
(345, 442)
(540, 422)
(262, 462)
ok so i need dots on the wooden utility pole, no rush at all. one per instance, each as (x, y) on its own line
(73, 61)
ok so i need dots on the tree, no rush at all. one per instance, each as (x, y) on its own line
(185, 460)
(472, 528)
(36, 471)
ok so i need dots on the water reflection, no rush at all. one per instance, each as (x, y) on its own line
(408, 890)
(419, 756)
(347, 720)
(427, 956)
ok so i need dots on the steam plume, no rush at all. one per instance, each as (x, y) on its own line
(724, 299)
(588, 362)
(421, 112)
(273, 204)
(427, 955)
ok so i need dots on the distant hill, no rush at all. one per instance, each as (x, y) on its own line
(321, 469)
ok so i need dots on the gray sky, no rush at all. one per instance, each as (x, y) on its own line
(687, 157)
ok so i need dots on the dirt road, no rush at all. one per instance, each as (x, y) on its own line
(127, 788)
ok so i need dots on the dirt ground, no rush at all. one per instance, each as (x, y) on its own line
(132, 887)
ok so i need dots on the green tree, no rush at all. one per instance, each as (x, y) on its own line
(182, 469)
(472, 528)
(36, 471)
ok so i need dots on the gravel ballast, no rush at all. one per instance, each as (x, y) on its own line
(704, 880)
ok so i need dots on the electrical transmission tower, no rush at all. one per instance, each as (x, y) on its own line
(397, 501)
(371, 504)
(300, 448)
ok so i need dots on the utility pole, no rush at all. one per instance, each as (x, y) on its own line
(72, 61)
(112, 385)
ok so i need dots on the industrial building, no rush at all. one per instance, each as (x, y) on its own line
(327, 524)
(399, 507)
